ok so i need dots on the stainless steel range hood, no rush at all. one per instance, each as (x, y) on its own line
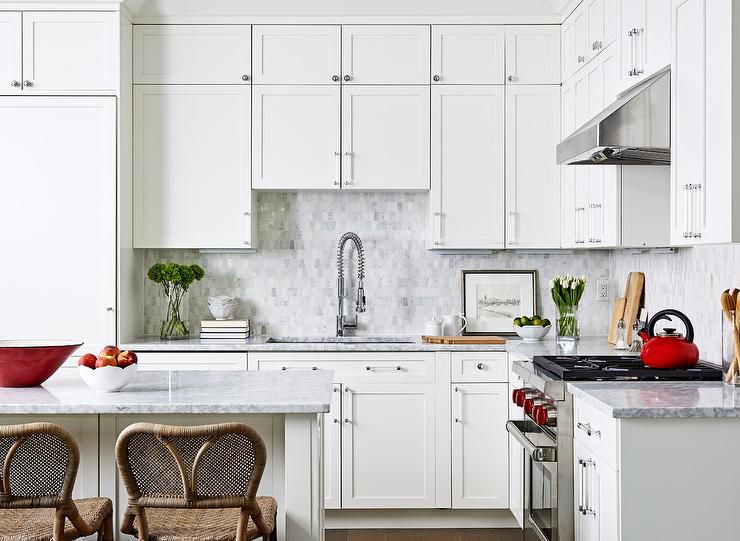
(634, 130)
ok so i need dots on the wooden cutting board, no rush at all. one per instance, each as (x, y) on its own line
(617, 314)
(634, 296)
(461, 340)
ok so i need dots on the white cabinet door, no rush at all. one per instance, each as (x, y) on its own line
(388, 453)
(374, 54)
(191, 167)
(596, 492)
(573, 39)
(58, 215)
(516, 452)
(333, 451)
(468, 54)
(295, 137)
(586, 528)
(71, 51)
(297, 54)
(646, 38)
(385, 137)
(568, 172)
(533, 54)
(10, 52)
(532, 174)
(192, 54)
(480, 446)
(467, 205)
(688, 123)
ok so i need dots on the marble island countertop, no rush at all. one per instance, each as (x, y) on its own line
(665, 399)
(177, 392)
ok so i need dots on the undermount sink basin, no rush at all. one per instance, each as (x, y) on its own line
(338, 340)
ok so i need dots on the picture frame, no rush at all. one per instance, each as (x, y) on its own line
(491, 299)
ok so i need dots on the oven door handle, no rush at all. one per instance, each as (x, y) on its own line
(538, 453)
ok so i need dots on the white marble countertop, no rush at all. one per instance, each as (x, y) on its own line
(664, 399)
(591, 345)
(177, 392)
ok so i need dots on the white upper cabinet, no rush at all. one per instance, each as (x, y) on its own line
(297, 54)
(192, 54)
(295, 137)
(645, 37)
(602, 18)
(574, 32)
(10, 53)
(70, 51)
(468, 54)
(533, 54)
(385, 137)
(191, 167)
(532, 174)
(385, 54)
(58, 210)
(467, 205)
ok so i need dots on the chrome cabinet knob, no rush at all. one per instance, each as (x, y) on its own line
(436, 78)
(109, 309)
(245, 77)
(480, 366)
(437, 243)
(511, 78)
(336, 183)
(348, 182)
(15, 84)
(581, 59)
(27, 83)
(335, 78)
(347, 78)
(247, 243)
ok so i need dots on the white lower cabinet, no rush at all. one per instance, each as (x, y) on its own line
(596, 496)
(332, 442)
(388, 446)
(480, 469)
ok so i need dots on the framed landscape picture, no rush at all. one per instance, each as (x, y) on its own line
(491, 299)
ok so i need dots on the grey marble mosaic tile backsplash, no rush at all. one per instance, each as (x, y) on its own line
(289, 285)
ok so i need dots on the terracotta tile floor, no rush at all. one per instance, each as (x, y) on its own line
(424, 535)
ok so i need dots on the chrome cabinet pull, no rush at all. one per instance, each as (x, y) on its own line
(582, 487)
(15, 84)
(245, 77)
(335, 78)
(347, 78)
(581, 59)
(588, 430)
(511, 78)
(383, 368)
(299, 368)
(27, 83)
(480, 366)
(436, 78)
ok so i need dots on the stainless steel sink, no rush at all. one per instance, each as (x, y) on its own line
(339, 340)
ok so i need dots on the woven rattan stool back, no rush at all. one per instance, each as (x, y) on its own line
(201, 466)
(39, 465)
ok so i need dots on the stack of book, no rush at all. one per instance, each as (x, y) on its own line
(227, 329)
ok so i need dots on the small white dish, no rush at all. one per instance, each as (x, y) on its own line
(107, 379)
(532, 333)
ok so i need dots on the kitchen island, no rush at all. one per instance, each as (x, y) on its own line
(284, 407)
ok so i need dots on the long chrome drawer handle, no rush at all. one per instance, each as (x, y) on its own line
(587, 429)
(382, 368)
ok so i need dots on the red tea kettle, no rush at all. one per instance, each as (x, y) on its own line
(669, 349)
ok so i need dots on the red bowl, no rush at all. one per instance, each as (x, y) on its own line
(27, 363)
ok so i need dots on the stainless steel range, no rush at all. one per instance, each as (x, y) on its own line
(546, 432)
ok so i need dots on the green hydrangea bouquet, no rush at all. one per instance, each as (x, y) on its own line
(175, 280)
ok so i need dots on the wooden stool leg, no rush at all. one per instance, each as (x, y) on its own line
(108, 528)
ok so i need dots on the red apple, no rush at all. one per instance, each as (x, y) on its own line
(110, 351)
(88, 359)
(127, 358)
(105, 360)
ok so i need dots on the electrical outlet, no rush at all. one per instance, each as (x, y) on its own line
(602, 290)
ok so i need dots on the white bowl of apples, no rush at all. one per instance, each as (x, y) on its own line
(110, 371)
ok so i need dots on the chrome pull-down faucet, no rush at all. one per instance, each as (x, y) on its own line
(343, 321)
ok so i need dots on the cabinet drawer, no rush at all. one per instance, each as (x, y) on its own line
(595, 430)
(192, 361)
(488, 367)
(380, 367)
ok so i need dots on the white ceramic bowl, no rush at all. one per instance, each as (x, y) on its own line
(532, 333)
(108, 379)
(222, 312)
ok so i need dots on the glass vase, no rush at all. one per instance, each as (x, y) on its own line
(567, 326)
(174, 325)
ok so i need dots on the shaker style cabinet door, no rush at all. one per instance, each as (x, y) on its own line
(374, 54)
(297, 54)
(532, 174)
(646, 38)
(533, 54)
(191, 167)
(468, 54)
(385, 137)
(467, 204)
(574, 38)
(192, 54)
(10, 52)
(70, 51)
(58, 218)
(480, 446)
(295, 137)
(332, 441)
(388, 453)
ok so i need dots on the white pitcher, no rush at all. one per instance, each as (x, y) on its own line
(453, 325)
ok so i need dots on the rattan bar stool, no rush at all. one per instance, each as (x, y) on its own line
(195, 483)
(39, 468)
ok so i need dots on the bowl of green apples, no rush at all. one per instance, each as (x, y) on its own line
(532, 328)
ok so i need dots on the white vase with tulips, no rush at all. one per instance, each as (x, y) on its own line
(566, 293)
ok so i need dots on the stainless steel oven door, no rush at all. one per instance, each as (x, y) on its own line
(540, 481)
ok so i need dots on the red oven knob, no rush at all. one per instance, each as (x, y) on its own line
(524, 394)
(515, 396)
(531, 403)
(545, 415)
